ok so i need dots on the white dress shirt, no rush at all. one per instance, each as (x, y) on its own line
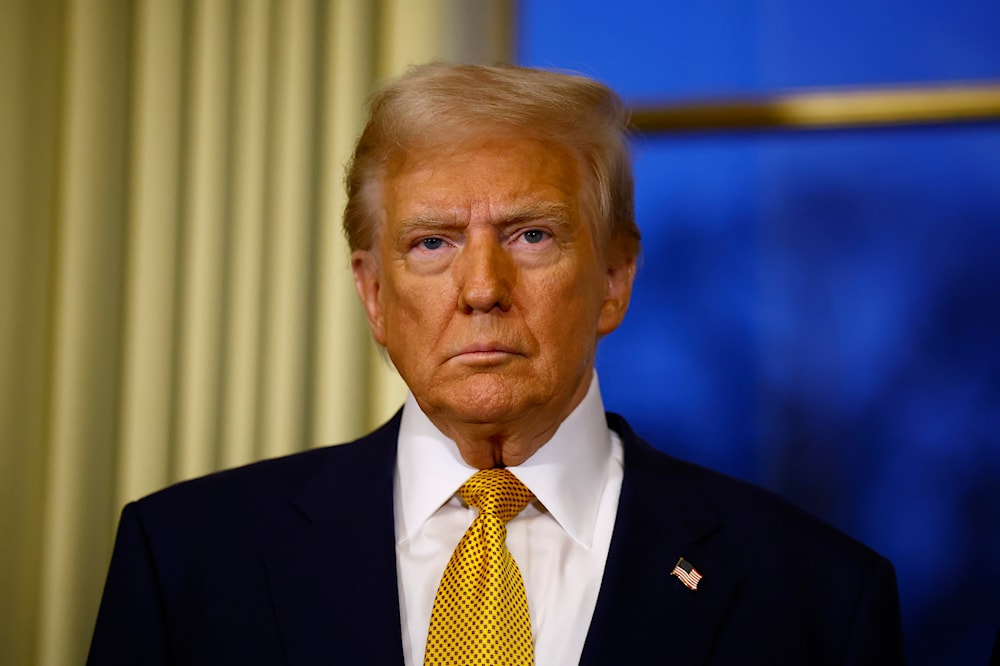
(560, 541)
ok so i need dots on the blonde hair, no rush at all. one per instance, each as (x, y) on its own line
(442, 103)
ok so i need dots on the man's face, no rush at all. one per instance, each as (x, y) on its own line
(486, 286)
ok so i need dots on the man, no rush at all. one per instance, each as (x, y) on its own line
(493, 245)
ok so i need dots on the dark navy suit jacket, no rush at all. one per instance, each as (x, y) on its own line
(292, 561)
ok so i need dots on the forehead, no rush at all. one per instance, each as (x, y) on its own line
(481, 175)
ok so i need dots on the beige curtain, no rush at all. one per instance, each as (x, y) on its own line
(174, 289)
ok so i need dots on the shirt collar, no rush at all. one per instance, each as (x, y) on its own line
(564, 474)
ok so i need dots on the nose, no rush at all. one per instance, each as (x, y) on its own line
(485, 273)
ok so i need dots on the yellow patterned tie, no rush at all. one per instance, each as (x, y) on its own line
(480, 612)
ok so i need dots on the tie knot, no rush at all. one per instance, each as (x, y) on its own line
(497, 492)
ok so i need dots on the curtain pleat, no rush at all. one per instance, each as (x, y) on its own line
(150, 311)
(175, 291)
(86, 338)
(204, 244)
(290, 229)
(342, 344)
(242, 352)
(31, 54)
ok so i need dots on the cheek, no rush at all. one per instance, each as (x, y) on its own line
(567, 316)
(582, 298)
(414, 314)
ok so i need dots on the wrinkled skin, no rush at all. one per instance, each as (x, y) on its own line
(487, 289)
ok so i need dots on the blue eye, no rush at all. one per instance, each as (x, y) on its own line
(533, 236)
(432, 243)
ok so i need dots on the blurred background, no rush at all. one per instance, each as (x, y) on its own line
(818, 309)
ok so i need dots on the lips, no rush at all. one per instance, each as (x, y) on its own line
(487, 347)
(486, 352)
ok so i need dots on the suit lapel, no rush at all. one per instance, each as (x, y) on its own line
(643, 612)
(333, 582)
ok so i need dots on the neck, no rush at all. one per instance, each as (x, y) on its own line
(485, 446)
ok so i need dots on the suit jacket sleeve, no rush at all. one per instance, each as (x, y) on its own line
(130, 621)
(876, 637)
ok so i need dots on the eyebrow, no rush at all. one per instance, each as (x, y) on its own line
(514, 215)
(540, 210)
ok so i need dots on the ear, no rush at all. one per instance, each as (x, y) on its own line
(368, 282)
(619, 292)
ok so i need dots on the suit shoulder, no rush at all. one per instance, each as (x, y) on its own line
(758, 511)
(750, 513)
(254, 488)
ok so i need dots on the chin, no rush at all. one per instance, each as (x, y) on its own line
(489, 398)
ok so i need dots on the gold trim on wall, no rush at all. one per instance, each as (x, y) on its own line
(827, 109)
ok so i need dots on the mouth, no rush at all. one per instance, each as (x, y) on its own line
(485, 353)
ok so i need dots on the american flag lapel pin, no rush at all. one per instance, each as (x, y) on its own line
(686, 573)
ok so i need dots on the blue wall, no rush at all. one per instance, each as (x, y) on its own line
(819, 312)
